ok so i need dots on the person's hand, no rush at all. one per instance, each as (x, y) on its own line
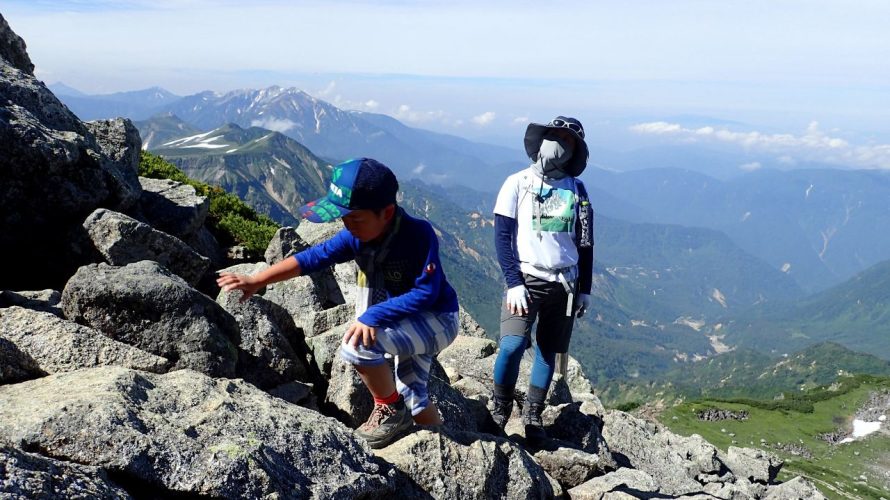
(360, 333)
(582, 305)
(517, 300)
(231, 281)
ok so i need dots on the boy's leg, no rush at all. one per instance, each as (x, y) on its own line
(378, 380)
(421, 334)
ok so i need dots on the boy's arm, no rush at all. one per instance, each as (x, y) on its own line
(335, 250)
(340, 248)
(421, 297)
(249, 285)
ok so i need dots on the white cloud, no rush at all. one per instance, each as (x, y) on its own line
(328, 90)
(813, 144)
(276, 124)
(520, 120)
(485, 118)
(418, 169)
(405, 113)
(750, 167)
(372, 104)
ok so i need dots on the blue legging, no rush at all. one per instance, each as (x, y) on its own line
(506, 367)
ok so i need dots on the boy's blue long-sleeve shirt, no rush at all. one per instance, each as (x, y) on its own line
(412, 273)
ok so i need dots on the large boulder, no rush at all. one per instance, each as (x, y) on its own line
(267, 356)
(172, 207)
(16, 365)
(674, 461)
(186, 434)
(451, 464)
(123, 240)
(634, 483)
(798, 488)
(285, 243)
(38, 300)
(145, 305)
(54, 170)
(27, 475)
(752, 464)
(58, 345)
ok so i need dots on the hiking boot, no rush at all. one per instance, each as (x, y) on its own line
(386, 423)
(534, 426)
(531, 416)
(503, 405)
(502, 411)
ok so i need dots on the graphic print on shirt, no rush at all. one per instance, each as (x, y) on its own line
(557, 211)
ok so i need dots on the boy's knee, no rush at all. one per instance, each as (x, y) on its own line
(359, 356)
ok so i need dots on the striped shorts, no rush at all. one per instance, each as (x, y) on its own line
(413, 342)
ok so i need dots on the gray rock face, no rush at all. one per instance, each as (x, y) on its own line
(123, 240)
(285, 243)
(312, 301)
(146, 306)
(26, 476)
(16, 365)
(673, 461)
(42, 300)
(570, 467)
(570, 423)
(173, 207)
(466, 465)
(798, 488)
(58, 345)
(12, 49)
(314, 234)
(189, 434)
(206, 244)
(753, 465)
(266, 357)
(620, 481)
(469, 326)
(120, 144)
(53, 170)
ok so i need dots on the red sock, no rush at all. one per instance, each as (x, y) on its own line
(392, 398)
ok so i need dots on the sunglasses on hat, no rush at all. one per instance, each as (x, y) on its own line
(569, 125)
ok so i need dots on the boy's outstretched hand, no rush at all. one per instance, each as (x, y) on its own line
(230, 281)
(359, 332)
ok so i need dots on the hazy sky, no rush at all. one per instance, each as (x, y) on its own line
(483, 69)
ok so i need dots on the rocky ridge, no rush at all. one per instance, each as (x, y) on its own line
(123, 380)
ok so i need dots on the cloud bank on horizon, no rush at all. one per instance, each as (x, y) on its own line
(812, 145)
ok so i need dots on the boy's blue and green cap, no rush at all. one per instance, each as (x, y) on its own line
(359, 184)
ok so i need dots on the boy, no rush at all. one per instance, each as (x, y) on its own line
(544, 241)
(405, 306)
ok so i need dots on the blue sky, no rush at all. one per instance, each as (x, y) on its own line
(483, 69)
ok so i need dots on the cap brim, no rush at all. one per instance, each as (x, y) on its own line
(323, 210)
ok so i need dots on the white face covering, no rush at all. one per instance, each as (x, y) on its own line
(551, 156)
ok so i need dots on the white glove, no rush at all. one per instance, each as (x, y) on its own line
(582, 305)
(517, 300)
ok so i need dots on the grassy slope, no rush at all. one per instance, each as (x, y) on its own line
(836, 470)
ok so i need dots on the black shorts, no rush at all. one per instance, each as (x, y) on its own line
(547, 304)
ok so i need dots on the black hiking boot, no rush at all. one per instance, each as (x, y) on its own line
(503, 405)
(531, 416)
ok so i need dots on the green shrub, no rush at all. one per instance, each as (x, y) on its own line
(230, 220)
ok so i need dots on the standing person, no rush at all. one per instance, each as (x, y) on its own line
(544, 241)
(405, 306)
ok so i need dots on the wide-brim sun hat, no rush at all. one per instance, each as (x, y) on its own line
(535, 133)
